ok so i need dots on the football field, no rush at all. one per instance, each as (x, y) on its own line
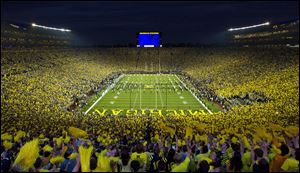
(147, 91)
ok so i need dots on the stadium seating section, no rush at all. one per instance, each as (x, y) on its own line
(38, 86)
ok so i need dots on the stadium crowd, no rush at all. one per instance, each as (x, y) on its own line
(76, 150)
(38, 86)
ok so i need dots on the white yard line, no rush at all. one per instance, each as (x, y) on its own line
(126, 82)
(135, 100)
(194, 95)
(105, 92)
(155, 97)
(180, 87)
(141, 94)
(161, 101)
(172, 83)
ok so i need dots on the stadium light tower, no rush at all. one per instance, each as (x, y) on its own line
(51, 28)
(247, 27)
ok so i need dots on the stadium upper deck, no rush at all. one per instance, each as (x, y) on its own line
(14, 34)
(278, 34)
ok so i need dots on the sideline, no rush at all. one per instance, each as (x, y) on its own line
(194, 95)
(105, 92)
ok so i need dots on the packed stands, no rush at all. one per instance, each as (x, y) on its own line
(23, 35)
(39, 133)
(273, 35)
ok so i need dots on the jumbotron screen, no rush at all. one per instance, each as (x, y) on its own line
(149, 39)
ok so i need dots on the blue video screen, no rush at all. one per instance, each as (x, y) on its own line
(148, 39)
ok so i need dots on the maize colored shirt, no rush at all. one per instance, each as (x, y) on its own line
(182, 167)
(204, 156)
(141, 157)
(103, 163)
(290, 165)
(246, 159)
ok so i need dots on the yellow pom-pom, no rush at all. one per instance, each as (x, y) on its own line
(274, 149)
(6, 136)
(156, 137)
(67, 139)
(203, 138)
(197, 137)
(256, 147)
(85, 156)
(44, 170)
(78, 133)
(261, 133)
(7, 145)
(47, 148)
(73, 155)
(222, 141)
(99, 139)
(28, 154)
(115, 159)
(57, 159)
(246, 143)
(64, 132)
(292, 130)
(179, 143)
(234, 140)
(20, 134)
(59, 141)
(188, 132)
(41, 136)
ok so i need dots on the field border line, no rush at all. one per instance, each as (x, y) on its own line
(172, 83)
(161, 100)
(141, 94)
(194, 95)
(136, 96)
(105, 92)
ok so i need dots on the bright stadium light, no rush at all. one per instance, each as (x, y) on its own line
(15, 26)
(247, 27)
(51, 28)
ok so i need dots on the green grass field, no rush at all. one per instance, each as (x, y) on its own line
(147, 91)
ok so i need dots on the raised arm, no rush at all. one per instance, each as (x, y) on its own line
(242, 146)
(264, 147)
(252, 151)
(77, 167)
(210, 139)
(296, 141)
(176, 138)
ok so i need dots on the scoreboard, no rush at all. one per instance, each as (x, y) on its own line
(149, 39)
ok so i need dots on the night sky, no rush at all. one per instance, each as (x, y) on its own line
(180, 22)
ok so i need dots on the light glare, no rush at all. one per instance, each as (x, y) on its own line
(247, 27)
(51, 28)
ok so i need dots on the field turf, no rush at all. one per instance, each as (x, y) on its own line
(146, 91)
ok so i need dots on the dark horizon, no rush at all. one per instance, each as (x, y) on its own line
(109, 23)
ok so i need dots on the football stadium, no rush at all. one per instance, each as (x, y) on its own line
(150, 86)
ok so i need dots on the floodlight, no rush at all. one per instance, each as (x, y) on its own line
(51, 28)
(247, 27)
